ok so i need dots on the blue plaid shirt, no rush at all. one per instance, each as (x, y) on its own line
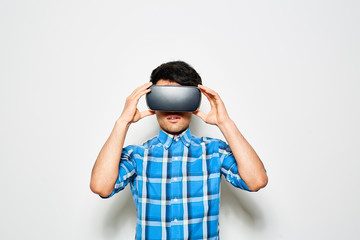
(175, 183)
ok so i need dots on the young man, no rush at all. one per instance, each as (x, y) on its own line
(175, 176)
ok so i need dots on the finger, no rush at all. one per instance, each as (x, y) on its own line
(142, 88)
(209, 97)
(141, 91)
(145, 85)
(209, 91)
(146, 113)
(212, 94)
(200, 114)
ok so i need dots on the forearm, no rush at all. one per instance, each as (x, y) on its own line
(106, 167)
(250, 167)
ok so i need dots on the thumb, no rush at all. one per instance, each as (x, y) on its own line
(200, 114)
(146, 113)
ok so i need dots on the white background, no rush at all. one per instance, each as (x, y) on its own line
(288, 72)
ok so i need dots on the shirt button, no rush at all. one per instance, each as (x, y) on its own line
(175, 178)
(175, 158)
(176, 139)
(175, 200)
(175, 220)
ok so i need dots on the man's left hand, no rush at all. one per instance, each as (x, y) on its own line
(217, 114)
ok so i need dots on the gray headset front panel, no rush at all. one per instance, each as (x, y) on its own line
(173, 98)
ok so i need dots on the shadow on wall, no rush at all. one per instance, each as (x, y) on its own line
(120, 217)
(238, 203)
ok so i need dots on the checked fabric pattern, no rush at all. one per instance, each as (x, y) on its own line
(175, 183)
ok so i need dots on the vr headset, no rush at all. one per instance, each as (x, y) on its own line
(173, 98)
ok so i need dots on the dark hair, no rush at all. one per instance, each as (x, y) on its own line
(176, 71)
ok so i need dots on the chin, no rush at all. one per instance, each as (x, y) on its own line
(174, 130)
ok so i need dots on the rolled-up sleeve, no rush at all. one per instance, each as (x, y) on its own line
(127, 170)
(229, 168)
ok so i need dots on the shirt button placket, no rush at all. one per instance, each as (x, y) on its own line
(175, 206)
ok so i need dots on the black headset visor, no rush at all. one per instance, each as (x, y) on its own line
(173, 98)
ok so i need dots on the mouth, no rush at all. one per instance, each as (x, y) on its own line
(173, 118)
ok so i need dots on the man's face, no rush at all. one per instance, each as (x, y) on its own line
(172, 122)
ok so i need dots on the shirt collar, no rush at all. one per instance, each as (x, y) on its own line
(166, 138)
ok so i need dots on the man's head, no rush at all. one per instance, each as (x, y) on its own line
(174, 73)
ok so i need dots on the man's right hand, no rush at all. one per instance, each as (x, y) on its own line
(106, 167)
(130, 112)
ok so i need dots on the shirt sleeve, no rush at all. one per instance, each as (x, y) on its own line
(229, 167)
(127, 170)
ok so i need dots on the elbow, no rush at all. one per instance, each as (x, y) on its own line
(98, 189)
(259, 183)
(264, 181)
(94, 187)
